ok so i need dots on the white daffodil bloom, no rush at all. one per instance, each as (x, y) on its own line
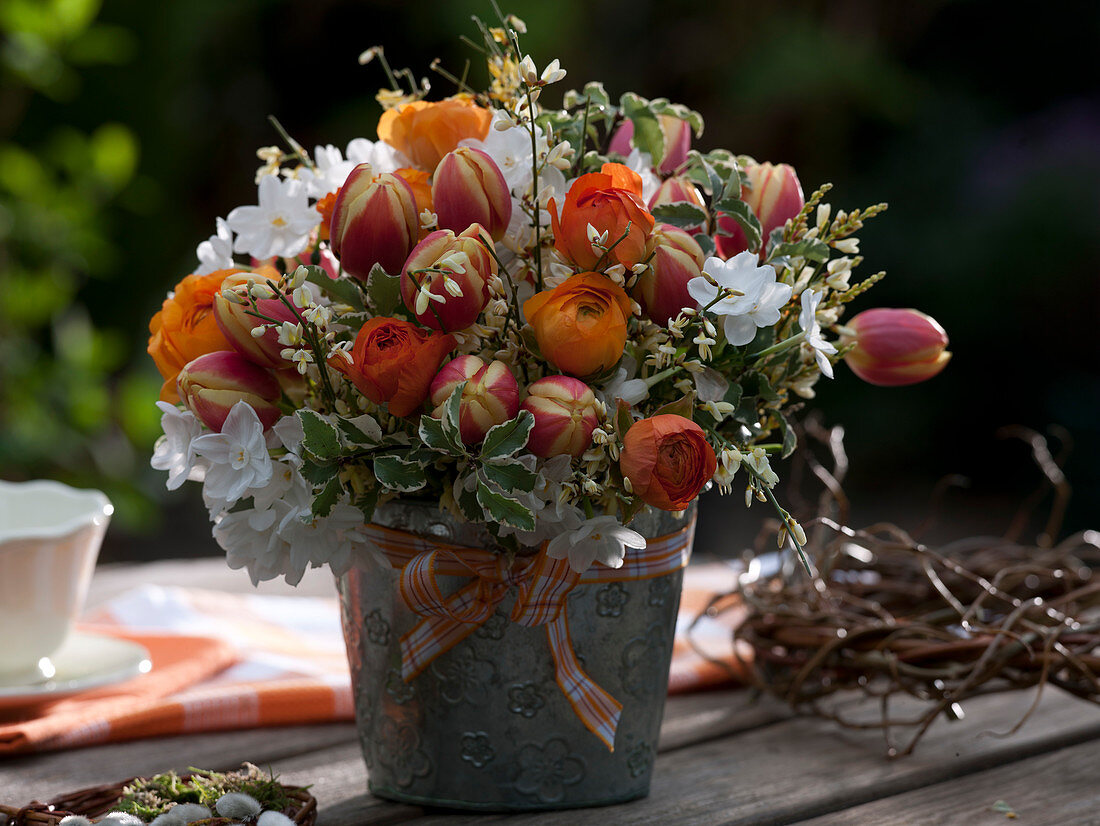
(173, 451)
(380, 155)
(250, 540)
(624, 386)
(216, 252)
(279, 225)
(600, 539)
(758, 304)
(642, 163)
(807, 319)
(238, 455)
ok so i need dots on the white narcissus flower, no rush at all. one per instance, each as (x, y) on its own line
(624, 386)
(380, 155)
(279, 225)
(807, 319)
(329, 173)
(173, 451)
(216, 252)
(600, 539)
(757, 306)
(642, 163)
(251, 540)
(238, 456)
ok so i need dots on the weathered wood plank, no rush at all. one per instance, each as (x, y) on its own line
(1056, 788)
(46, 775)
(802, 768)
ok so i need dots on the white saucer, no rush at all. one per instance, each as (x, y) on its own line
(84, 662)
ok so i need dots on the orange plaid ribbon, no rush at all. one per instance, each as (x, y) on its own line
(541, 584)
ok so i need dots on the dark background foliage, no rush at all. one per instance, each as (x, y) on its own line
(126, 129)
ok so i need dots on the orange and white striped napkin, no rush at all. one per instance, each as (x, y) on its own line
(230, 661)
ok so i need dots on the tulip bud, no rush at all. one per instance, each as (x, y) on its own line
(565, 416)
(236, 325)
(895, 347)
(210, 385)
(491, 395)
(774, 195)
(445, 281)
(676, 190)
(662, 289)
(468, 188)
(677, 139)
(374, 221)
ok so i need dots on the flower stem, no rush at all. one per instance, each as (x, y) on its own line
(779, 347)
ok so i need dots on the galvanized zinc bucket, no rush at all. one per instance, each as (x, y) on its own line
(486, 726)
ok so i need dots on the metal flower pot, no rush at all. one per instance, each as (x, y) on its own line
(486, 726)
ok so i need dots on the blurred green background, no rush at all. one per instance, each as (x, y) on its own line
(126, 127)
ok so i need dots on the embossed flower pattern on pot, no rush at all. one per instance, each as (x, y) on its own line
(494, 627)
(660, 590)
(464, 677)
(476, 749)
(639, 652)
(525, 699)
(378, 630)
(639, 760)
(400, 752)
(611, 599)
(399, 690)
(545, 771)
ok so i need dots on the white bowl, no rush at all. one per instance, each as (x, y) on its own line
(50, 535)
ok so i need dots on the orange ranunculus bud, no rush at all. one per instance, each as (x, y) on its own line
(580, 325)
(610, 201)
(775, 197)
(211, 384)
(237, 325)
(677, 135)
(895, 347)
(491, 395)
(662, 288)
(395, 361)
(468, 188)
(374, 221)
(185, 328)
(565, 416)
(442, 265)
(668, 460)
(424, 132)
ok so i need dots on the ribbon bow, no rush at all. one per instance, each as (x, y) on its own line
(542, 585)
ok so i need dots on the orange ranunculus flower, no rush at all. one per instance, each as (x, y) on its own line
(609, 200)
(668, 460)
(186, 328)
(325, 207)
(395, 361)
(424, 132)
(580, 324)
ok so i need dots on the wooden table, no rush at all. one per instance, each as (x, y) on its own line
(723, 758)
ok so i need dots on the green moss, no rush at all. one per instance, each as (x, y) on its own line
(148, 797)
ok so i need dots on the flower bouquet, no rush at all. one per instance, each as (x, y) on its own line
(482, 368)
